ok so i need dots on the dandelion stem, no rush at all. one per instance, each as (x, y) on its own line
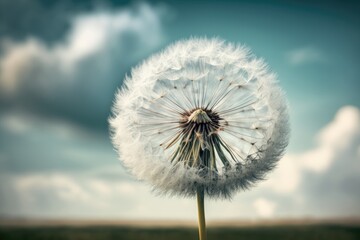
(201, 213)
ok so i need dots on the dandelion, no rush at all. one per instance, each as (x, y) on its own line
(202, 118)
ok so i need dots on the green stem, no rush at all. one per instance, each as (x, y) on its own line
(201, 214)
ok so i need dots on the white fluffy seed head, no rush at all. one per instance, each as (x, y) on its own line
(203, 113)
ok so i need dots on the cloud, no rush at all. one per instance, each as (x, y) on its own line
(287, 176)
(54, 168)
(322, 181)
(304, 55)
(24, 123)
(334, 141)
(79, 176)
(76, 76)
(64, 187)
(13, 123)
(34, 143)
(264, 207)
(333, 188)
(69, 196)
(62, 194)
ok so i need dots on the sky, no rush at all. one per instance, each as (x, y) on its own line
(62, 62)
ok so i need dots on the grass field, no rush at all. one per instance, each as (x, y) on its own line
(298, 232)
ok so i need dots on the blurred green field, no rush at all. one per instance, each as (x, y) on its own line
(312, 232)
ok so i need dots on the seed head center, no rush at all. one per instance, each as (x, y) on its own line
(199, 116)
(199, 143)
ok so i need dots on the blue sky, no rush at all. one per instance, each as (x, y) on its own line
(61, 64)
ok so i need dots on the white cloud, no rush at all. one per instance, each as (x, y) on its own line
(304, 55)
(293, 188)
(286, 177)
(126, 188)
(318, 159)
(64, 187)
(88, 197)
(342, 130)
(13, 123)
(17, 62)
(66, 190)
(100, 187)
(91, 33)
(89, 61)
(333, 141)
(264, 208)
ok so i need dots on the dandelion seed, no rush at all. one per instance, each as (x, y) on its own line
(203, 117)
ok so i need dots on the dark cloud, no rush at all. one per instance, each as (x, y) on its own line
(75, 77)
(47, 20)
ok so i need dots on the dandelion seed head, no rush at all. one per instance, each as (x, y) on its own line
(202, 113)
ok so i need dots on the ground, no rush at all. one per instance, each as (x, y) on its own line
(278, 232)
